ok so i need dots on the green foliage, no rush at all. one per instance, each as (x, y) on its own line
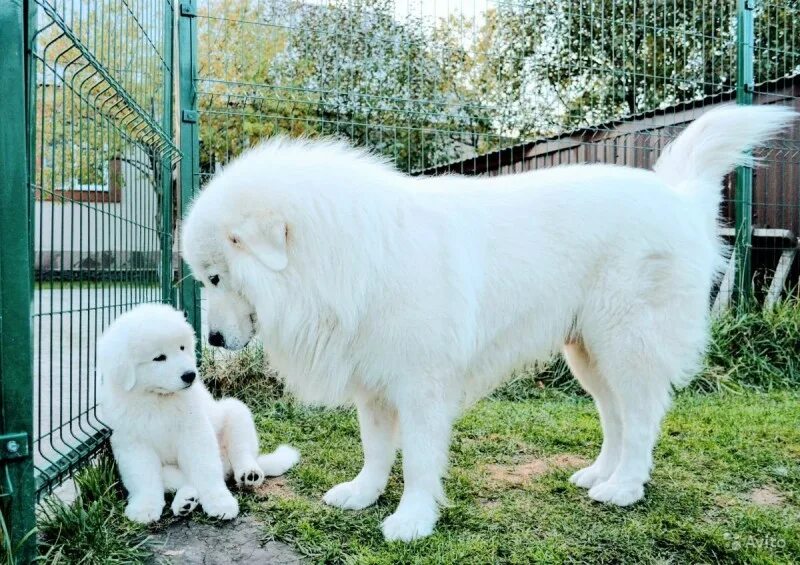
(9, 551)
(429, 90)
(92, 529)
(244, 374)
(758, 348)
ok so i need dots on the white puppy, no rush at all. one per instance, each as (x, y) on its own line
(412, 297)
(169, 434)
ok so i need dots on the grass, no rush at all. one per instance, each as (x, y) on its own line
(726, 487)
(93, 529)
(715, 451)
(758, 349)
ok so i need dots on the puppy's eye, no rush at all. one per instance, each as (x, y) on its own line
(182, 348)
(214, 279)
(161, 357)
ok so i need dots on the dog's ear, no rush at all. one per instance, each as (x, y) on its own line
(113, 362)
(266, 240)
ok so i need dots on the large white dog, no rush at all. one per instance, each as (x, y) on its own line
(169, 434)
(413, 297)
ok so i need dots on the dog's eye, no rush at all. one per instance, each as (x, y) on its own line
(182, 348)
(214, 279)
(161, 357)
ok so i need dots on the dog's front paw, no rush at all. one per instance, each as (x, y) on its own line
(621, 494)
(222, 505)
(186, 500)
(144, 511)
(250, 477)
(351, 496)
(589, 476)
(408, 525)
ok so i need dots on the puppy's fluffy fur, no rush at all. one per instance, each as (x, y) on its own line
(412, 297)
(169, 434)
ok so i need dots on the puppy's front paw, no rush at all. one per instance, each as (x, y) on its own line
(186, 500)
(351, 496)
(408, 525)
(144, 511)
(250, 477)
(222, 505)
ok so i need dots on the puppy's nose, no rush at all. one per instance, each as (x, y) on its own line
(216, 339)
(188, 377)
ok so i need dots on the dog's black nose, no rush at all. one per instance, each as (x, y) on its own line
(216, 339)
(188, 377)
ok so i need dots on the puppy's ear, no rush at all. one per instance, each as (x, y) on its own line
(113, 362)
(264, 239)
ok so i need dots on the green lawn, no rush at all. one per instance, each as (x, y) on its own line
(726, 486)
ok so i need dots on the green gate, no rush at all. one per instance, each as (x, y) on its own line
(88, 206)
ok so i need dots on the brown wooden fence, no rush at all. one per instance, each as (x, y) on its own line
(638, 142)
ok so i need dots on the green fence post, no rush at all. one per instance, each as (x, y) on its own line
(16, 345)
(190, 163)
(167, 294)
(744, 175)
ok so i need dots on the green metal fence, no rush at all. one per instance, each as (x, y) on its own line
(88, 215)
(465, 86)
(498, 87)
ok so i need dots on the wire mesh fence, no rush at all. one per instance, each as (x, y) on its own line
(101, 189)
(478, 87)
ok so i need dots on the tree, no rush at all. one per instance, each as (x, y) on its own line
(426, 91)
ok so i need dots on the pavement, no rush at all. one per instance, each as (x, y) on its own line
(237, 541)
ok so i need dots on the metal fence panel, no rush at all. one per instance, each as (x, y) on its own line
(101, 182)
(775, 216)
(101, 188)
(498, 87)
(187, 31)
(16, 388)
(507, 86)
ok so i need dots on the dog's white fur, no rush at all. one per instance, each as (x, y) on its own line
(169, 435)
(413, 297)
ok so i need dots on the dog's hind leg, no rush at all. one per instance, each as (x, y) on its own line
(239, 442)
(638, 370)
(186, 498)
(377, 423)
(592, 381)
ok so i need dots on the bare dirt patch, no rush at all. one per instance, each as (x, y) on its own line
(766, 496)
(277, 487)
(524, 471)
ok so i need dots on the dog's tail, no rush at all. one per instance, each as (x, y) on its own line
(279, 461)
(717, 142)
